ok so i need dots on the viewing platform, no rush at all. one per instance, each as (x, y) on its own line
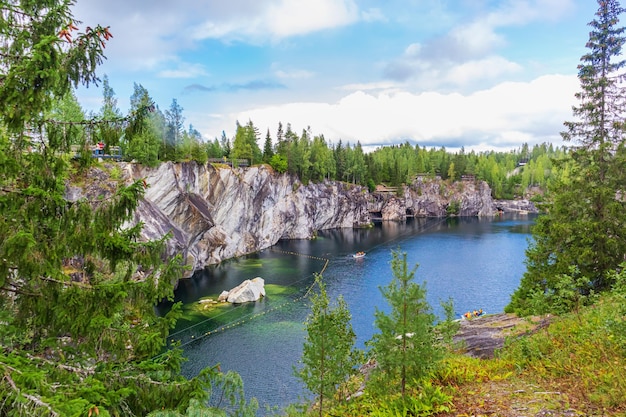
(239, 162)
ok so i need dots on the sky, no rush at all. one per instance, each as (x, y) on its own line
(478, 74)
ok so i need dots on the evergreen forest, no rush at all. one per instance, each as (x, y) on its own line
(310, 157)
(79, 335)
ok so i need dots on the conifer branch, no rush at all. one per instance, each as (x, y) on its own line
(36, 400)
(74, 283)
(76, 370)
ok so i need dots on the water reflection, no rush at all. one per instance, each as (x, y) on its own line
(477, 262)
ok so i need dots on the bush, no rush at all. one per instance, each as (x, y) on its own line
(454, 208)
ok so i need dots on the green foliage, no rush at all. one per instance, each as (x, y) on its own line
(449, 327)
(174, 120)
(405, 350)
(453, 208)
(426, 399)
(78, 286)
(585, 221)
(268, 148)
(581, 354)
(143, 142)
(568, 292)
(279, 163)
(245, 144)
(329, 356)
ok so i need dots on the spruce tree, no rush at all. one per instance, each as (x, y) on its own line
(405, 349)
(268, 148)
(585, 221)
(79, 333)
(329, 356)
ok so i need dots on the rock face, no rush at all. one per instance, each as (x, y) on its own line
(247, 291)
(216, 213)
(480, 337)
(515, 206)
(431, 197)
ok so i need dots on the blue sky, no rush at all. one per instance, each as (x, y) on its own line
(482, 74)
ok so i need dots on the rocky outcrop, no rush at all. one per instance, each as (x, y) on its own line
(247, 291)
(215, 213)
(480, 337)
(431, 197)
(515, 206)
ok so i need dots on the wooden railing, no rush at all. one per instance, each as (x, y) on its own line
(229, 162)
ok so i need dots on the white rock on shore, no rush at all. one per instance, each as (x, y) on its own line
(249, 290)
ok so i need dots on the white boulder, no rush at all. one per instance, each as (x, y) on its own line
(249, 290)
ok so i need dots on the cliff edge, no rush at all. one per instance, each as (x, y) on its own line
(216, 212)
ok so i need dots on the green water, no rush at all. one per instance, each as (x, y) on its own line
(476, 262)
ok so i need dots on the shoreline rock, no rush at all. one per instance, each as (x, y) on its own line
(481, 336)
(248, 291)
(216, 213)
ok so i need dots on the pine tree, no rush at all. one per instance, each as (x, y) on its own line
(79, 333)
(174, 130)
(144, 143)
(585, 224)
(329, 356)
(405, 349)
(268, 149)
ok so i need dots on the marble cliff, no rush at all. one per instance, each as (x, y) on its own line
(216, 212)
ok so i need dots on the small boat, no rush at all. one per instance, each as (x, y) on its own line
(359, 255)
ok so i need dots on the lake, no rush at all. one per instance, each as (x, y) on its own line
(477, 262)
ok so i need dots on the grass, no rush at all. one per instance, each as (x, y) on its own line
(575, 366)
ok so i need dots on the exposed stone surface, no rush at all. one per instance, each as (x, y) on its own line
(481, 336)
(247, 291)
(515, 206)
(220, 213)
(430, 197)
(216, 213)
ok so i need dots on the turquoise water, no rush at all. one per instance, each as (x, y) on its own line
(476, 262)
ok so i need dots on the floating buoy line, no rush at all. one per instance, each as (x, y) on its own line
(247, 318)
(193, 338)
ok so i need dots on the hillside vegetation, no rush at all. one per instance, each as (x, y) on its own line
(80, 335)
(575, 366)
(575, 276)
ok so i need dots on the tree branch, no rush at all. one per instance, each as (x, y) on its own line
(32, 398)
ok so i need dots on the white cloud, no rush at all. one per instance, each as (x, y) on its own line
(280, 19)
(519, 12)
(297, 17)
(488, 68)
(151, 36)
(469, 48)
(373, 15)
(504, 116)
(376, 85)
(143, 37)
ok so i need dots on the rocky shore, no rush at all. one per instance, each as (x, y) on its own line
(480, 337)
(213, 213)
